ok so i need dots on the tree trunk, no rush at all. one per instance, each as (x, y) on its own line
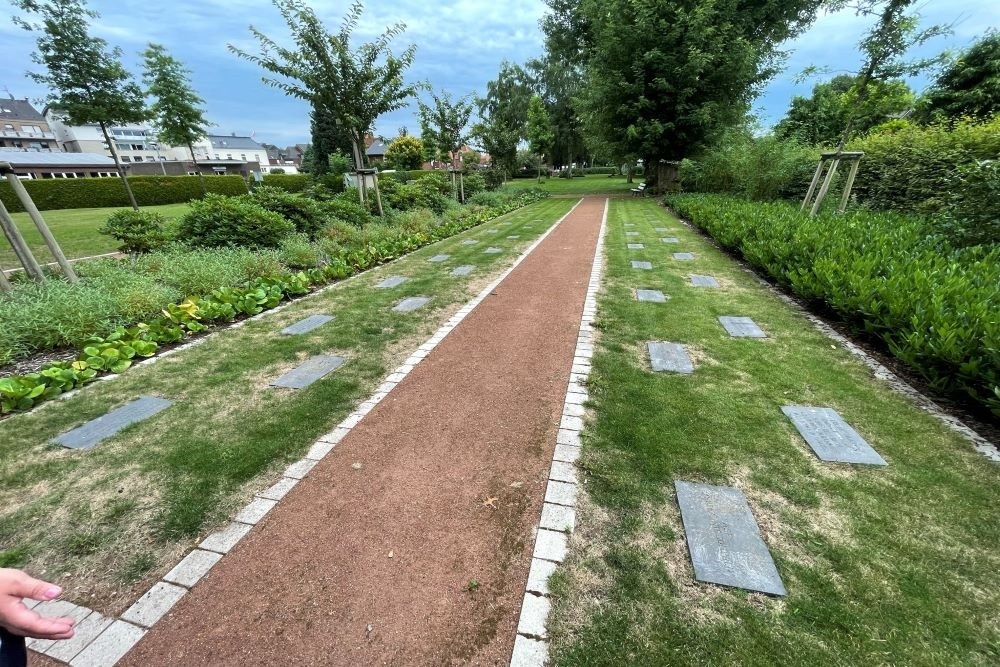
(118, 166)
(201, 176)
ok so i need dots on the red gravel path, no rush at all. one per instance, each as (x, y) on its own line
(315, 584)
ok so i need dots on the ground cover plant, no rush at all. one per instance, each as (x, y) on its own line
(124, 512)
(932, 305)
(894, 564)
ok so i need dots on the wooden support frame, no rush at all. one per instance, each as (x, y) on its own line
(830, 162)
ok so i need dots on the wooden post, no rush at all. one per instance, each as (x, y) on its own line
(43, 228)
(378, 196)
(4, 283)
(826, 186)
(461, 184)
(21, 248)
(812, 185)
(850, 184)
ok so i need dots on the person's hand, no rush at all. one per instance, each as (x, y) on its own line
(15, 615)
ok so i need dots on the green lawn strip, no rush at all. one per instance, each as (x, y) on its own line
(103, 522)
(76, 231)
(889, 565)
(580, 185)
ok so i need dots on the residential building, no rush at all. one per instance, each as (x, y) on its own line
(133, 143)
(376, 152)
(22, 128)
(225, 147)
(57, 164)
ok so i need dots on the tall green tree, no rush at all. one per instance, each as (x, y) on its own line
(503, 112)
(969, 86)
(538, 131)
(87, 83)
(176, 111)
(355, 86)
(328, 138)
(443, 124)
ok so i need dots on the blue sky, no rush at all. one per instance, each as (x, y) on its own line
(460, 44)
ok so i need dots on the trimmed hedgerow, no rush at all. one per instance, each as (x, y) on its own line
(288, 182)
(55, 194)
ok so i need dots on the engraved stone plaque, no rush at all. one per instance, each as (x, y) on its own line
(662, 229)
(414, 302)
(655, 296)
(703, 281)
(670, 357)
(830, 437)
(642, 265)
(307, 325)
(311, 370)
(463, 270)
(724, 540)
(438, 258)
(492, 251)
(684, 256)
(631, 233)
(741, 327)
(636, 246)
(470, 242)
(96, 430)
(392, 281)
(670, 239)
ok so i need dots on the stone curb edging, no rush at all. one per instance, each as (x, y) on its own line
(101, 641)
(558, 519)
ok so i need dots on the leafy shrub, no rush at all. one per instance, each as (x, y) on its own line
(218, 221)
(306, 214)
(60, 193)
(474, 184)
(136, 231)
(971, 216)
(297, 252)
(276, 170)
(487, 198)
(287, 182)
(934, 308)
(346, 207)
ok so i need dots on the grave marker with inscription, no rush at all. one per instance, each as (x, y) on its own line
(684, 256)
(670, 239)
(414, 302)
(307, 325)
(96, 430)
(703, 281)
(438, 258)
(463, 270)
(642, 265)
(741, 327)
(309, 371)
(672, 357)
(651, 295)
(392, 281)
(636, 246)
(830, 437)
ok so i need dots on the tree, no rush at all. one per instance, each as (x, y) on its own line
(86, 80)
(353, 86)
(328, 138)
(443, 123)
(538, 131)
(405, 153)
(176, 110)
(821, 118)
(969, 86)
(503, 114)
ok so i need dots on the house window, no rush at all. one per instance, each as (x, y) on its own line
(138, 158)
(216, 156)
(126, 158)
(229, 156)
(8, 127)
(243, 156)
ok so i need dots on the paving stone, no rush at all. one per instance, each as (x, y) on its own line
(411, 304)
(558, 517)
(741, 327)
(300, 468)
(670, 239)
(392, 281)
(571, 423)
(84, 632)
(567, 437)
(671, 357)
(319, 450)
(651, 295)
(492, 251)
(470, 242)
(550, 545)
(255, 510)
(110, 646)
(307, 325)
(192, 568)
(157, 601)
(279, 489)
(309, 371)
(439, 258)
(830, 437)
(723, 539)
(703, 281)
(226, 539)
(538, 575)
(529, 652)
(684, 256)
(54, 609)
(534, 615)
(96, 430)
(563, 472)
(560, 493)
(642, 265)
(576, 399)
(463, 270)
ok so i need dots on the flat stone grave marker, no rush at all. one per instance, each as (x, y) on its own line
(492, 251)
(630, 224)
(684, 256)
(830, 437)
(309, 371)
(703, 281)
(662, 229)
(672, 357)
(514, 236)
(492, 231)
(724, 540)
(636, 246)
(642, 265)
(670, 239)
(651, 295)
(438, 258)
(96, 430)
(631, 233)
(412, 303)
(463, 270)
(470, 242)
(741, 327)
(307, 325)
(392, 281)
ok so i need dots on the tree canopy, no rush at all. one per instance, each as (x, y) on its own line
(176, 110)
(503, 113)
(405, 152)
(969, 86)
(443, 125)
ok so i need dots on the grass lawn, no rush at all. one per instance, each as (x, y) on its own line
(593, 184)
(76, 231)
(883, 565)
(104, 522)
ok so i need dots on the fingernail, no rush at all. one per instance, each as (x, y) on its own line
(52, 592)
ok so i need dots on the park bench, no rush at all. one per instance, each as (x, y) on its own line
(639, 191)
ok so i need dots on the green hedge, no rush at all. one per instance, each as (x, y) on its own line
(934, 307)
(58, 193)
(288, 182)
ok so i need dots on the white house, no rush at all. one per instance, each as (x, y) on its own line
(133, 143)
(233, 147)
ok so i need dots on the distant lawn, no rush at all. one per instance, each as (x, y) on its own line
(76, 231)
(591, 185)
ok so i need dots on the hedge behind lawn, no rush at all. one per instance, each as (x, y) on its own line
(60, 193)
